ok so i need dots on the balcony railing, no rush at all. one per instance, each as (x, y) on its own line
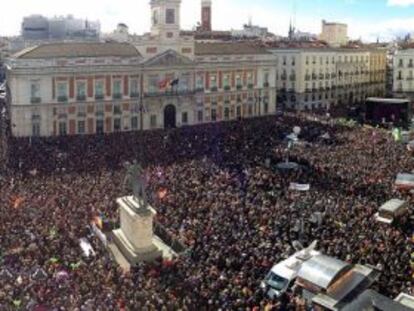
(314, 77)
(35, 100)
(117, 96)
(169, 93)
(62, 99)
(239, 87)
(99, 96)
(213, 89)
(100, 113)
(199, 90)
(292, 77)
(283, 77)
(307, 77)
(227, 87)
(81, 97)
(134, 95)
(266, 84)
(250, 86)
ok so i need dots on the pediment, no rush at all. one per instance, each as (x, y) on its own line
(168, 58)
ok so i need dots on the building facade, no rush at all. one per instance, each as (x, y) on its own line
(403, 73)
(335, 34)
(321, 78)
(165, 80)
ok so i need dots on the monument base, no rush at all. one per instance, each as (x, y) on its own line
(132, 255)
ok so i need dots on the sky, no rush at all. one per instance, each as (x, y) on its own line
(366, 19)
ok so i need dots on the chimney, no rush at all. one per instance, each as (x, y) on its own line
(206, 15)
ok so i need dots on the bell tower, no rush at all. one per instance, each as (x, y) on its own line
(165, 19)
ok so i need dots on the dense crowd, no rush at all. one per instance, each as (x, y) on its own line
(223, 198)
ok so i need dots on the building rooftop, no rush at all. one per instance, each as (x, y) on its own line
(72, 50)
(228, 48)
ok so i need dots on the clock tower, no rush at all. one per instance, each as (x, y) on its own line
(165, 19)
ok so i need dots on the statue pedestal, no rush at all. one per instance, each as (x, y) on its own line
(135, 238)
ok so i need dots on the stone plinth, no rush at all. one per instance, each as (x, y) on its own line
(135, 237)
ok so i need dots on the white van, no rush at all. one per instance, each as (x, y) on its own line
(283, 275)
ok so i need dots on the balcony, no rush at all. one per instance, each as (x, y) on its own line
(35, 100)
(227, 88)
(314, 77)
(250, 86)
(239, 87)
(81, 98)
(213, 89)
(199, 90)
(169, 93)
(266, 84)
(100, 113)
(410, 78)
(283, 77)
(117, 96)
(321, 76)
(99, 96)
(410, 65)
(399, 78)
(292, 77)
(134, 95)
(82, 114)
(62, 99)
(307, 77)
(327, 76)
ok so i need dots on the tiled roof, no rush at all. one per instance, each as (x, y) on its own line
(228, 48)
(86, 49)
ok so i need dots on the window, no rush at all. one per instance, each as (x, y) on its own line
(250, 79)
(36, 129)
(184, 118)
(99, 89)
(153, 121)
(307, 60)
(184, 82)
(170, 16)
(199, 82)
(62, 128)
(200, 116)
(117, 124)
(81, 127)
(62, 91)
(284, 60)
(117, 89)
(80, 90)
(266, 78)
(250, 110)
(153, 84)
(226, 113)
(213, 81)
(239, 81)
(99, 126)
(134, 92)
(213, 115)
(155, 17)
(117, 109)
(134, 123)
(35, 92)
(226, 81)
(238, 111)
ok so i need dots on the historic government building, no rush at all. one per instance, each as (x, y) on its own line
(166, 79)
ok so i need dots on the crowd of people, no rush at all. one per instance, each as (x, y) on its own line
(222, 197)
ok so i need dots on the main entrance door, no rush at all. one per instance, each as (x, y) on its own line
(169, 117)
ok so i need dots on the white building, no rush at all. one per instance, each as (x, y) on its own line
(335, 34)
(313, 78)
(403, 73)
(166, 80)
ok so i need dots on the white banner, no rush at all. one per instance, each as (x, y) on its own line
(299, 187)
